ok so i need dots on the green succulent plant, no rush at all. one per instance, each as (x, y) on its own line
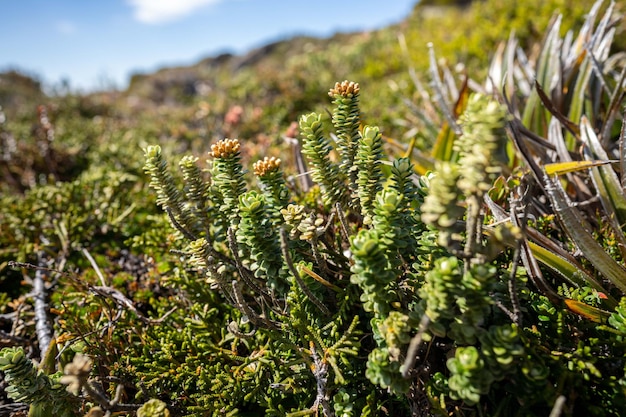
(45, 394)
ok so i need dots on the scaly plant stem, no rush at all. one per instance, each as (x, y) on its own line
(474, 231)
(414, 345)
(512, 285)
(321, 376)
(557, 409)
(113, 404)
(178, 226)
(342, 221)
(42, 324)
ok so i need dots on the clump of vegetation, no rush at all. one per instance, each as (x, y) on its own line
(482, 275)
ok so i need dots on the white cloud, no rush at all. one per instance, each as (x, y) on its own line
(161, 11)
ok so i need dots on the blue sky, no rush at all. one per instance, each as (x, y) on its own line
(98, 44)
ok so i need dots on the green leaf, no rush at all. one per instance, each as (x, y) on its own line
(593, 313)
(443, 149)
(607, 184)
(534, 116)
(578, 230)
(589, 44)
(560, 168)
(572, 273)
